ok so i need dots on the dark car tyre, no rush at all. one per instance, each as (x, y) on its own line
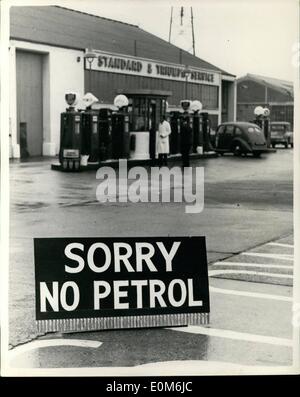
(236, 149)
(286, 145)
(256, 155)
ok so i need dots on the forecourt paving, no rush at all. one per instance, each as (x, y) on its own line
(244, 207)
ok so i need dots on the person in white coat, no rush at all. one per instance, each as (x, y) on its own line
(163, 146)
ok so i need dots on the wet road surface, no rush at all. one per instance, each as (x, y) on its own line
(248, 202)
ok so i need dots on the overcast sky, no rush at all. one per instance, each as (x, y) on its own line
(239, 36)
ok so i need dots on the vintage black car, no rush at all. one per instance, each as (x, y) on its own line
(240, 138)
(281, 133)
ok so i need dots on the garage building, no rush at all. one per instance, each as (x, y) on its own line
(47, 48)
(277, 95)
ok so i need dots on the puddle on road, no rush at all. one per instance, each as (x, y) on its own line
(31, 206)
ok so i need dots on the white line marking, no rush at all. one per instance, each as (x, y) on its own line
(245, 264)
(281, 245)
(273, 256)
(250, 294)
(225, 271)
(37, 344)
(223, 333)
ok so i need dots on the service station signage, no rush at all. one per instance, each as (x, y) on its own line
(104, 283)
(113, 63)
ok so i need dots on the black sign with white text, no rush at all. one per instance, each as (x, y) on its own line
(94, 278)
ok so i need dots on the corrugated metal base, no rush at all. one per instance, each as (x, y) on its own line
(103, 323)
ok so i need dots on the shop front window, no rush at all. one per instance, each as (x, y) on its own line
(145, 113)
(139, 114)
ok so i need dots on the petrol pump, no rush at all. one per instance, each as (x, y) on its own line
(120, 128)
(200, 124)
(105, 134)
(198, 141)
(262, 119)
(90, 131)
(207, 146)
(191, 112)
(70, 135)
(174, 120)
(186, 115)
(186, 119)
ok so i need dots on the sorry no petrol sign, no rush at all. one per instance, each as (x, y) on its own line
(103, 283)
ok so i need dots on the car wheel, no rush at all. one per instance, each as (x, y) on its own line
(237, 150)
(256, 155)
(292, 145)
(286, 145)
(273, 145)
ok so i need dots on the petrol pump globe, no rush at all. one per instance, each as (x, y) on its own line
(71, 98)
(89, 99)
(121, 101)
(196, 106)
(266, 112)
(185, 104)
(259, 111)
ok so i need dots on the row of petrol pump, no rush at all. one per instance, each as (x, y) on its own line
(198, 122)
(93, 136)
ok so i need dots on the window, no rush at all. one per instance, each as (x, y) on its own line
(229, 129)
(139, 115)
(277, 127)
(238, 131)
(209, 96)
(221, 129)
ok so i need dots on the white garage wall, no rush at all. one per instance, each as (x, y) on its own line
(61, 73)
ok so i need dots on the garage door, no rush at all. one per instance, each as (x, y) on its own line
(30, 103)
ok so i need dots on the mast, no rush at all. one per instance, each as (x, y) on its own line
(171, 19)
(193, 34)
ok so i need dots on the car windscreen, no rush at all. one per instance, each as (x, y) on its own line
(280, 128)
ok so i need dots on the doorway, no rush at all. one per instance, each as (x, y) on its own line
(29, 70)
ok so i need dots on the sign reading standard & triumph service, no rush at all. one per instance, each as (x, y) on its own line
(125, 64)
(104, 283)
